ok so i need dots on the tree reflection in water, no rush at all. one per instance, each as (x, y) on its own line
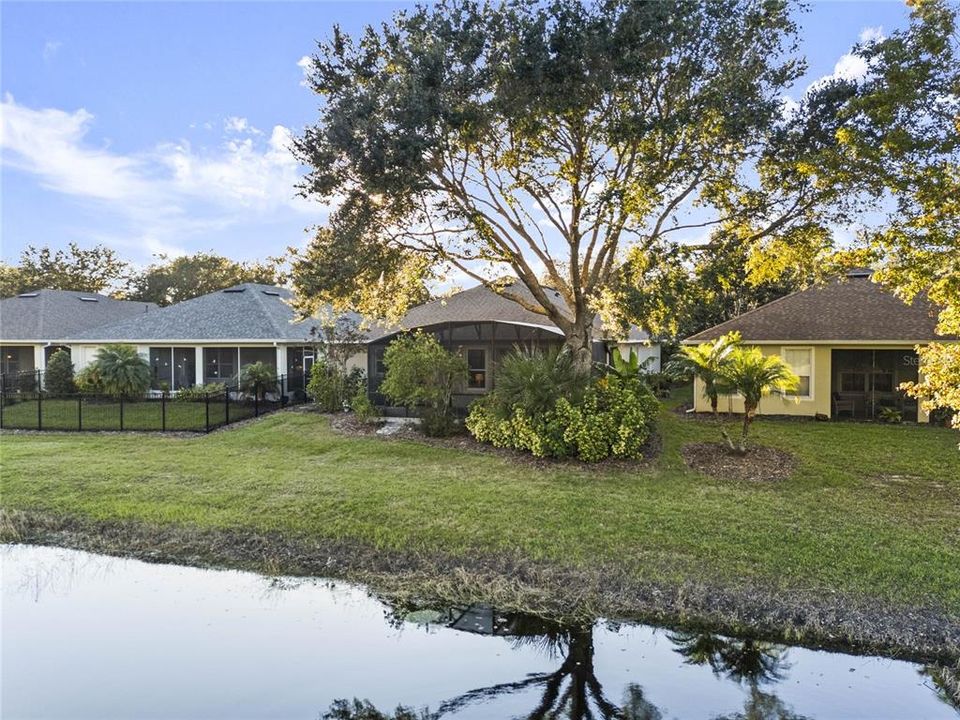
(749, 662)
(572, 691)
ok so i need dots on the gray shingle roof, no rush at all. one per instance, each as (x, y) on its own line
(50, 315)
(480, 303)
(852, 309)
(245, 312)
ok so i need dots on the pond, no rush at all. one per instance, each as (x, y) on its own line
(88, 636)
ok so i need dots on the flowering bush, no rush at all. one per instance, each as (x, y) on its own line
(613, 419)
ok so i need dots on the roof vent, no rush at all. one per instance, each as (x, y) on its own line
(28, 294)
(859, 272)
(235, 290)
(89, 299)
(273, 293)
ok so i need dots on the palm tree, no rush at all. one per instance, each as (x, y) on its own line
(122, 371)
(752, 374)
(706, 362)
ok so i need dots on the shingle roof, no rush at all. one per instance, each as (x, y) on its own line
(246, 312)
(853, 309)
(49, 315)
(481, 304)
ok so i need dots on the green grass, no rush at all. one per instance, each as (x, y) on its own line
(872, 511)
(64, 414)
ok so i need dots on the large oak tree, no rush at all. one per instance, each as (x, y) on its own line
(555, 143)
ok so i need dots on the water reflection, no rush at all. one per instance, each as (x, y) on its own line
(573, 691)
(189, 643)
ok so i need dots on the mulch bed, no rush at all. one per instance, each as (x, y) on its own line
(760, 464)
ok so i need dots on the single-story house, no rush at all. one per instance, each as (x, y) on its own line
(484, 326)
(208, 339)
(33, 325)
(850, 341)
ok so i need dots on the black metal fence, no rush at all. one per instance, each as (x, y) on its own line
(26, 406)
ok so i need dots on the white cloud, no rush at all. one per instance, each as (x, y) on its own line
(239, 126)
(871, 35)
(305, 64)
(50, 50)
(165, 193)
(788, 106)
(850, 66)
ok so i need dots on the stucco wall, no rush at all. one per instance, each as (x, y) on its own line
(818, 402)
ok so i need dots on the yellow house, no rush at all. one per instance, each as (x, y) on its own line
(850, 341)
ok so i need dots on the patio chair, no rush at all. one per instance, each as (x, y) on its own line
(842, 404)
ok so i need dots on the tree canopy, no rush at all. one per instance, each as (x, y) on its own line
(83, 269)
(168, 281)
(555, 142)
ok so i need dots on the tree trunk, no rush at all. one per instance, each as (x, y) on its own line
(579, 341)
(748, 411)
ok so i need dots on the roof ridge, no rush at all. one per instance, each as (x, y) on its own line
(266, 311)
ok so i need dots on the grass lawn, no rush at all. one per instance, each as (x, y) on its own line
(871, 511)
(65, 414)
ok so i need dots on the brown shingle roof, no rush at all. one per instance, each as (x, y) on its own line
(852, 309)
(480, 303)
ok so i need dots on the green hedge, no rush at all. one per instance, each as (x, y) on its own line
(615, 419)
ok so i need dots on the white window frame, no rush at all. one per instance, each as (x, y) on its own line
(488, 370)
(813, 355)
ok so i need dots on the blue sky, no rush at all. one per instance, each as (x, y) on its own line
(164, 127)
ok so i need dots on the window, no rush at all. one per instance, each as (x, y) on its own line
(265, 355)
(800, 361)
(853, 382)
(477, 367)
(379, 367)
(220, 364)
(184, 368)
(161, 367)
(882, 381)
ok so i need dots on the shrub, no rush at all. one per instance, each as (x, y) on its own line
(614, 418)
(27, 382)
(332, 388)
(88, 380)
(258, 378)
(534, 379)
(890, 415)
(199, 392)
(422, 373)
(122, 371)
(363, 409)
(58, 379)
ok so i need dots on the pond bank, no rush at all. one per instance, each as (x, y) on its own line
(813, 619)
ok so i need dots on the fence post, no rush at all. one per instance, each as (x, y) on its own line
(39, 408)
(121, 412)
(206, 402)
(163, 412)
(256, 400)
(79, 412)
